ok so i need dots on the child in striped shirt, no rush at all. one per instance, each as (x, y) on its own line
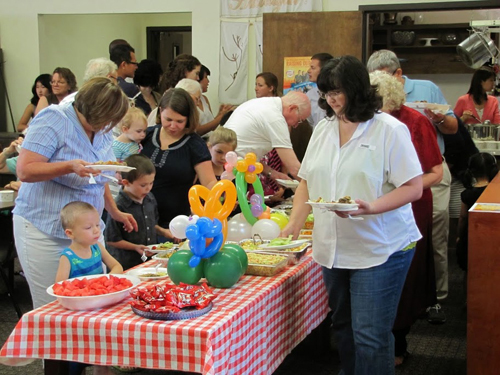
(133, 127)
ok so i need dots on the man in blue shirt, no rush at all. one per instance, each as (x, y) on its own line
(423, 90)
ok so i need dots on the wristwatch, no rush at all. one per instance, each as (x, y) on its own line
(441, 122)
(268, 174)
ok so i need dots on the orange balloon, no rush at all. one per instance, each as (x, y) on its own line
(250, 158)
(196, 193)
(241, 166)
(265, 215)
(213, 207)
(250, 177)
(258, 168)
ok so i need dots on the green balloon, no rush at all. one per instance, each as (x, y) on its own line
(223, 270)
(239, 252)
(179, 270)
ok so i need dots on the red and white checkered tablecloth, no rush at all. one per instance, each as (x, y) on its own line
(250, 330)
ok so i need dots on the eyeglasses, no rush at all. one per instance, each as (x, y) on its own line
(330, 94)
(298, 115)
(56, 83)
(133, 62)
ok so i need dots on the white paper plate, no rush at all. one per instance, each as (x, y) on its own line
(162, 249)
(281, 247)
(334, 206)
(117, 168)
(140, 271)
(436, 108)
(291, 184)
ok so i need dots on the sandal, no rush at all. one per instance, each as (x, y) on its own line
(126, 369)
(399, 360)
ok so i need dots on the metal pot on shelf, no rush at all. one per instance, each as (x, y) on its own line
(485, 131)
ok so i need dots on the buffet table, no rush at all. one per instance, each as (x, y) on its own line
(250, 330)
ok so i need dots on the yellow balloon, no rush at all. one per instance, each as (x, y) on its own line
(258, 168)
(250, 177)
(250, 158)
(241, 166)
(279, 219)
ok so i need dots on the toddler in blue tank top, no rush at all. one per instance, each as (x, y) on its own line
(85, 255)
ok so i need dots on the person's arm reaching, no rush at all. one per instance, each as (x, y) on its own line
(300, 211)
(289, 159)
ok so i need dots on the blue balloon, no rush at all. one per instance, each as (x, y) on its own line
(197, 234)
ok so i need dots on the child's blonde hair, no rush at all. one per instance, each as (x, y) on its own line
(72, 210)
(223, 135)
(133, 114)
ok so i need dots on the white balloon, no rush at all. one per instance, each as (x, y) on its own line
(238, 229)
(178, 226)
(193, 219)
(266, 229)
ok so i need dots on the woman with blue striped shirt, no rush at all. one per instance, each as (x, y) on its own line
(62, 141)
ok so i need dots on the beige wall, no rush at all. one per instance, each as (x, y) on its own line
(33, 39)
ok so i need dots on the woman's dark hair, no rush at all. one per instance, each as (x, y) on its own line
(271, 81)
(44, 79)
(177, 70)
(480, 165)
(476, 89)
(148, 73)
(349, 75)
(178, 100)
(204, 71)
(143, 167)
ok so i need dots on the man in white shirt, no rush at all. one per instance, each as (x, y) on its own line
(317, 62)
(264, 123)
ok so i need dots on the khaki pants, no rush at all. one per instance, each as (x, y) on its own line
(440, 231)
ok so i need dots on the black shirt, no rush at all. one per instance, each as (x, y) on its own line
(146, 215)
(175, 172)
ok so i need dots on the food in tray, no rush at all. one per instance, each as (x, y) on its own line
(91, 286)
(281, 241)
(309, 224)
(169, 298)
(100, 162)
(163, 246)
(264, 259)
(250, 244)
(265, 264)
(306, 232)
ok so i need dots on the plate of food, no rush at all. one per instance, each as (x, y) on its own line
(149, 274)
(110, 166)
(93, 292)
(290, 184)
(434, 107)
(343, 204)
(161, 247)
(281, 243)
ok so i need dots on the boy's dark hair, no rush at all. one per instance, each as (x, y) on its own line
(322, 57)
(142, 164)
(121, 53)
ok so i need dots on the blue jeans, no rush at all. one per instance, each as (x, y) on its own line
(364, 303)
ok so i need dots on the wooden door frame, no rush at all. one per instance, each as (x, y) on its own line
(151, 30)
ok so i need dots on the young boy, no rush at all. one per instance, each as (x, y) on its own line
(85, 255)
(135, 198)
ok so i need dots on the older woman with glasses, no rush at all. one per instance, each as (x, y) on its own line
(419, 290)
(367, 155)
(63, 140)
(63, 83)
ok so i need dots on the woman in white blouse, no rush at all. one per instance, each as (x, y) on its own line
(360, 152)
